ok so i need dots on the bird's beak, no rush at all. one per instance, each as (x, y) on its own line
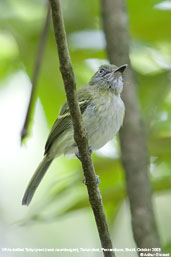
(121, 68)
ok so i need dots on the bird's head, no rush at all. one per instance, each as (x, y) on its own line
(109, 77)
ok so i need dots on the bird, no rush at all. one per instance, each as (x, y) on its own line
(102, 111)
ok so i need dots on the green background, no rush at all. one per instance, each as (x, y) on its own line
(59, 215)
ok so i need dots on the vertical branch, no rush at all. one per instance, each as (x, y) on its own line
(132, 135)
(79, 131)
(37, 66)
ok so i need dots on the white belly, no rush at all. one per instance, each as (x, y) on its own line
(103, 121)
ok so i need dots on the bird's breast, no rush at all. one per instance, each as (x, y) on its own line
(103, 119)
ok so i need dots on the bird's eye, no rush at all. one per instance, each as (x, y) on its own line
(101, 71)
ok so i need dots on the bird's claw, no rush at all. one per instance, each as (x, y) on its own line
(79, 156)
(97, 180)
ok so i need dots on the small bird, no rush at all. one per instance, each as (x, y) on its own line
(102, 111)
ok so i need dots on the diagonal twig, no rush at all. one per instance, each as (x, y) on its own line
(37, 66)
(79, 131)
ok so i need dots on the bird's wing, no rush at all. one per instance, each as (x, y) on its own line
(63, 121)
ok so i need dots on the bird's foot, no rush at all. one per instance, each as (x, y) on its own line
(90, 149)
(97, 180)
(79, 156)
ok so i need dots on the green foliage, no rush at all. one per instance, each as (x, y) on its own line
(21, 24)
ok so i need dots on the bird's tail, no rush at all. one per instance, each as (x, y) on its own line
(35, 180)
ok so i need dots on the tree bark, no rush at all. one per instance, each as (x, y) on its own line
(132, 135)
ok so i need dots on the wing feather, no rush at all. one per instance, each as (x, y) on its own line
(63, 121)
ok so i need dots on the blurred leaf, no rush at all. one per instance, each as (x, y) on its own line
(112, 199)
(165, 5)
(167, 248)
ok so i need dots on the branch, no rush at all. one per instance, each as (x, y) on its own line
(79, 131)
(37, 66)
(132, 135)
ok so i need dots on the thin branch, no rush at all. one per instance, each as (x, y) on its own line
(132, 135)
(37, 66)
(79, 131)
